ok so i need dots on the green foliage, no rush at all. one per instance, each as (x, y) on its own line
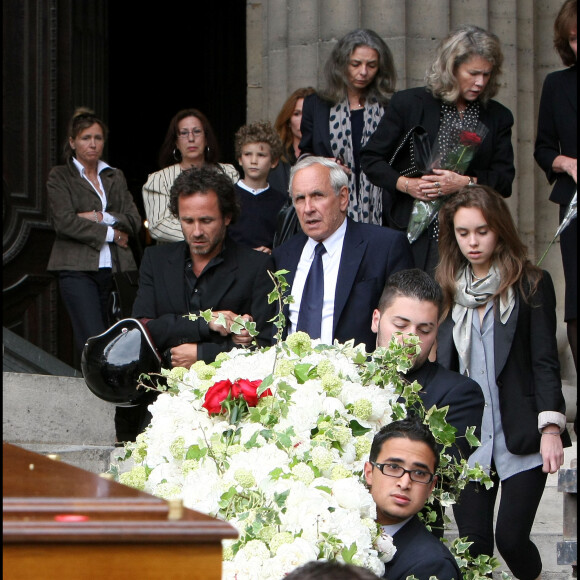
(474, 568)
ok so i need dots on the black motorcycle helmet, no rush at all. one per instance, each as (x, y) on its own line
(112, 362)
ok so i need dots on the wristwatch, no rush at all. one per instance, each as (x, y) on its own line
(471, 182)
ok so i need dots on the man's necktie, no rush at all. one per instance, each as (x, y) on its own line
(310, 314)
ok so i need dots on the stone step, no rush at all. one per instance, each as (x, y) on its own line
(54, 410)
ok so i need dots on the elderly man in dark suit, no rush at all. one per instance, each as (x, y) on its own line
(337, 267)
(206, 270)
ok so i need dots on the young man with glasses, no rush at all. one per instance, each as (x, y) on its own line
(401, 474)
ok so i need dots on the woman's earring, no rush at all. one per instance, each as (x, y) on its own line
(176, 154)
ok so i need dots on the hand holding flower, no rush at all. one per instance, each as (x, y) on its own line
(442, 182)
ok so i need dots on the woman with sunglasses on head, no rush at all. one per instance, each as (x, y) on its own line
(94, 217)
(93, 214)
(190, 142)
(500, 329)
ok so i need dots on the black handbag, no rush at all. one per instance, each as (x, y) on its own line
(411, 158)
(124, 292)
(413, 154)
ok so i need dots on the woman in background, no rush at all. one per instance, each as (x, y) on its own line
(93, 214)
(337, 122)
(500, 329)
(92, 209)
(190, 142)
(460, 85)
(556, 151)
(287, 126)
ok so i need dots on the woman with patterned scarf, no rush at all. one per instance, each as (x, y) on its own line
(500, 329)
(337, 122)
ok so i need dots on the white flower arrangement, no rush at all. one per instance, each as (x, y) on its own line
(289, 473)
(274, 441)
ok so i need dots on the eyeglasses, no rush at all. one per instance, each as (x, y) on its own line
(184, 133)
(394, 470)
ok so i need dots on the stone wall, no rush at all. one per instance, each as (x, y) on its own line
(288, 42)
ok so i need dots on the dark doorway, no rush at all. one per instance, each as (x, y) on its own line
(164, 58)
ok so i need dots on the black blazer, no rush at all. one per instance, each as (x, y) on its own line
(442, 387)
(558, 130)
(527, 369)
(370, 254)
(240, 284)
(421, 554)
(492, 164)
(314, 127)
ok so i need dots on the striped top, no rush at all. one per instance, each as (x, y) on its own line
(163, 226)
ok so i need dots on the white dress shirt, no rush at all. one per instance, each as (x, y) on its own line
(330, 264)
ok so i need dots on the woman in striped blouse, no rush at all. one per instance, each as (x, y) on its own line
(190, 142)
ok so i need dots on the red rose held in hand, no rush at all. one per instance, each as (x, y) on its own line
(215, 395)
(469, 139)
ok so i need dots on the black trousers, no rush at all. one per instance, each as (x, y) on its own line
(85, 295)
(520, 497)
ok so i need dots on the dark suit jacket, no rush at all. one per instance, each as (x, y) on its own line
(79, 241)
(370, 254)
(492, 164)
(558, 130)
(527, 369)
(442, 387)
(239, 283)
(314, 127)
(421, 554)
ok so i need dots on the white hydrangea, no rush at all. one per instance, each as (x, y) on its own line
(201, 457)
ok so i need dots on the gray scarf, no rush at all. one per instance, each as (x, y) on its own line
(469, 296)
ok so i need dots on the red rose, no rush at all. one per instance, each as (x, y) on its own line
(469, 139)
(248, 390)
(215, 395)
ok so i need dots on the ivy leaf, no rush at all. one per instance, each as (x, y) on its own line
(221, 320)
(280, 498)
(348, 553)
(357, 429)
(195, 452)
(302, 372)
(236, 327)
(471, 438)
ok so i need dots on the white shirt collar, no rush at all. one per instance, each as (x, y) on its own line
(392, 529)
(100, 166)
(333, 243)
(254, 191)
